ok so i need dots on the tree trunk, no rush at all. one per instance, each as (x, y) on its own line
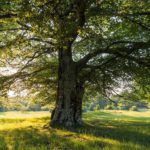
(68, 109)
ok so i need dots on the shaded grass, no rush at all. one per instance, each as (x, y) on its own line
(101, 131)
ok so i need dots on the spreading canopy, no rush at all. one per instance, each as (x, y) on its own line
(109, 41)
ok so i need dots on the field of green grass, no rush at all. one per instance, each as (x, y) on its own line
(103, 130)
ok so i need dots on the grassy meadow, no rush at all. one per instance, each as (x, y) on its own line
(103, 130)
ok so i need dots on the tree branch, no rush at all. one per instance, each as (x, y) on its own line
(103, 12)
(40, 40)
(9, 15)
(137, 22)
(117, 51)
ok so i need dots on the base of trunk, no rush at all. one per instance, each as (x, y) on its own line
(67, 124)
(65, 118)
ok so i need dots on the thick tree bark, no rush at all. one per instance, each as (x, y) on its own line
(68, 109)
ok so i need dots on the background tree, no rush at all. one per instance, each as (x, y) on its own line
(93, 44)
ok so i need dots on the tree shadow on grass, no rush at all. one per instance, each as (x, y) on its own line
(3, 145)
(30, 138)
(33, 139)
(120, 133)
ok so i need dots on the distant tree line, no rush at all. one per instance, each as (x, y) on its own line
(103, 104)
(14, 104)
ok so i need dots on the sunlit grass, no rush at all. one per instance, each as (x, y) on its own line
(103, 130)
(24, 114)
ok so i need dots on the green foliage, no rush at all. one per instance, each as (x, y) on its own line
(134, 108)
(114, 33)
(101, 103)
(108, 107)
(23, 104)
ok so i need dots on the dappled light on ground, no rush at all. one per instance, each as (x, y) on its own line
(104, 130)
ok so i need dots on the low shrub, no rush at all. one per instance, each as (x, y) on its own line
(133, 108)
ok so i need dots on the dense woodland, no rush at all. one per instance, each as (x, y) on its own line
(68, 52)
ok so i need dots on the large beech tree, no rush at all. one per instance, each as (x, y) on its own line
(76, 43)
